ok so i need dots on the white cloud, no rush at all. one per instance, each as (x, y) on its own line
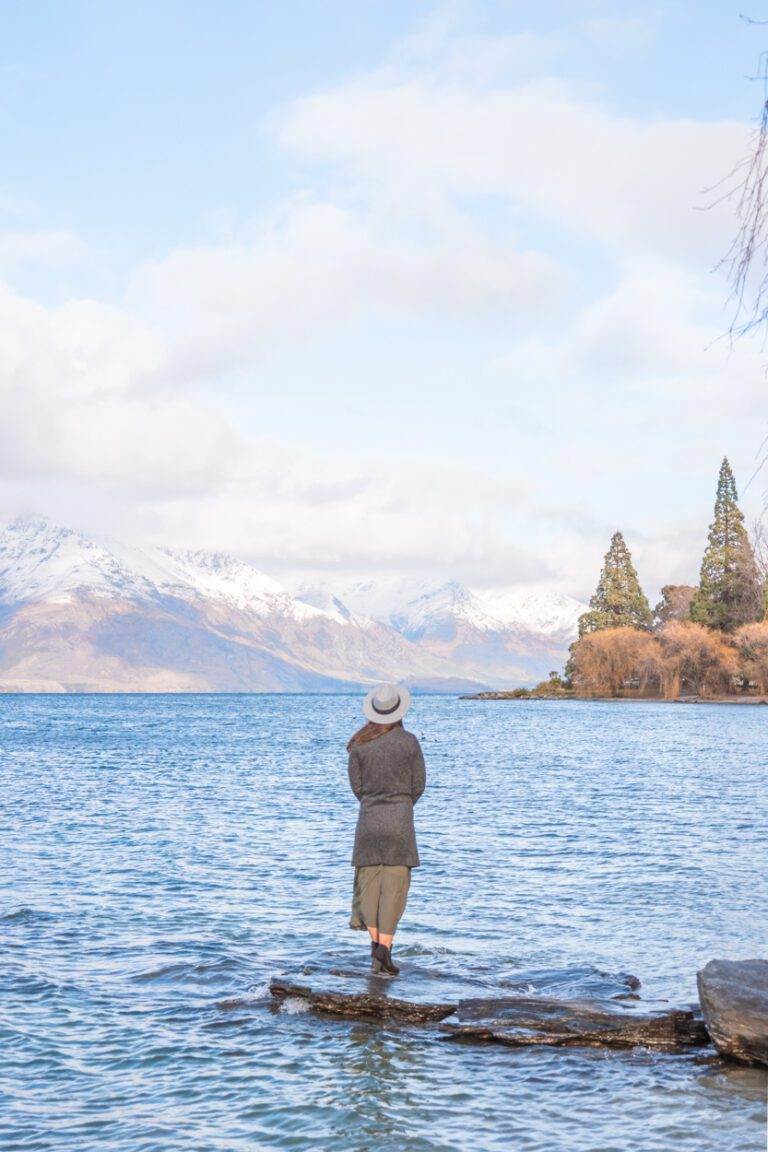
(441, 43)
(659, 339)
(85, 404)
(449, 186)
(629, 185)
(320, 266)
(397, 514)
(77, 389)
(52, 247)
(79, 349)
(622, 32)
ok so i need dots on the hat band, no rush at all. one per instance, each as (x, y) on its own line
(386, 711)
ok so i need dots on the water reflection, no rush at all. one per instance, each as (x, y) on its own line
(725, 1079)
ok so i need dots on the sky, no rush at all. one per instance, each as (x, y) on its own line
(379, 289)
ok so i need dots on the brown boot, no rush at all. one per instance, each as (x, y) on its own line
(382, 961)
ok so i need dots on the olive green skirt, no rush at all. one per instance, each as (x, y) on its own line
(379, 897)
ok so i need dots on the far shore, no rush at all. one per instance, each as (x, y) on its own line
(619, 699)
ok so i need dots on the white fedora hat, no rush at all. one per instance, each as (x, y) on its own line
(386, 704)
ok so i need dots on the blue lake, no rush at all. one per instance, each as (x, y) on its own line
(162, 856)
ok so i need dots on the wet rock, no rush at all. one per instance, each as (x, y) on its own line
(438, 976)
(734, 1000)
(569, 1006)
(374, 1003)
(420, 981)
(521, 1020)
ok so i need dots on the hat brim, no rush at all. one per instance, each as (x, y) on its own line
(375, 717)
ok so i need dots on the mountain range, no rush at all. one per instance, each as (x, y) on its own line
(79, 613)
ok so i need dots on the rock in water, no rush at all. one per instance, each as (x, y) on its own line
(734, 1000)
(551, 1016)
(361, 1005)
(519, 1020)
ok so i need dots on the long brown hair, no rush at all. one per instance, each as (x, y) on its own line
(371, 731)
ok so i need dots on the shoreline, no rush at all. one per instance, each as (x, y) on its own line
(506, 696)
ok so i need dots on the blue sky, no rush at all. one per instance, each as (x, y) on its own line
(376, 287)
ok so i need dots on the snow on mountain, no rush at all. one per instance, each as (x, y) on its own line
(413, 605)
(41, 561)
(549, 612)
(440, 608)
(90, 613)
(378, 598)
(331, 605)
(81, 614)
(506, 636)
(217, 576)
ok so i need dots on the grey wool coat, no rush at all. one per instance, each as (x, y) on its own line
(388, 776)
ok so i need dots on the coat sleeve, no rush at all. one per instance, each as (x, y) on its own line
(354, 768)
(418, 772)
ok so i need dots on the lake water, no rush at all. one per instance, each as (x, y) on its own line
(162, 857)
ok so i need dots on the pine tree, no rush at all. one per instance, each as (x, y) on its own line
(619, 601)
(730, 591)
(675, 604)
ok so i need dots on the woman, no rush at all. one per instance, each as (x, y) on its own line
(387, 775)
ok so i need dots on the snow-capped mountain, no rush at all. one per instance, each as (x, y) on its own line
(83, 614)
(40, 561)
(438, 610)
(375, 599)
(412, 606)
(80, 613)
(506, 635)
(550, 612)
(479, 631)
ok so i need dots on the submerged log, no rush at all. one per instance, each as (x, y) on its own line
(734, 1000)
(361, 1005)
(519, 1021)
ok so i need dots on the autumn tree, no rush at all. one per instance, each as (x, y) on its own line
(619, 601)
(752, 645)
(690, 656)
(606, 662)
(730, 591)
(760, 549)
(675, 604)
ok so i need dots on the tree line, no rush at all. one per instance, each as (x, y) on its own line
(710, 639)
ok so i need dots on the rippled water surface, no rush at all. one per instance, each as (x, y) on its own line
(162, 857)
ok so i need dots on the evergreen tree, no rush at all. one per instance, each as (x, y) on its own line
(730, 591)
(675, 604)
(619, 601)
